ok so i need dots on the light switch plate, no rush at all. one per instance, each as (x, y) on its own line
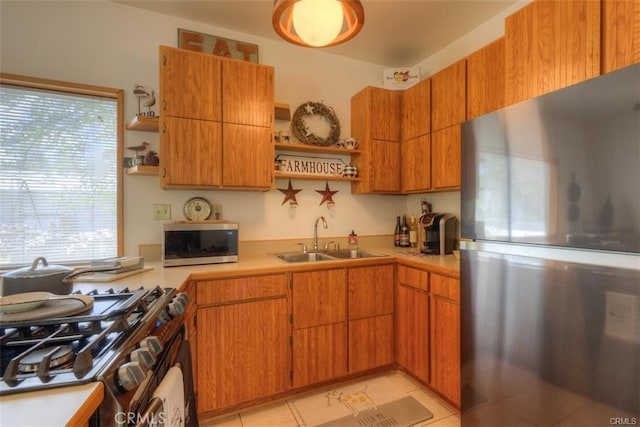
(162, 212)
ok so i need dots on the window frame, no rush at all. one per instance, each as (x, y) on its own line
(99, 91)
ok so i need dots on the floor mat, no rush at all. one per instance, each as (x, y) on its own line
(372, 403)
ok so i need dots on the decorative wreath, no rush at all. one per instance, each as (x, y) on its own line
(302, 132)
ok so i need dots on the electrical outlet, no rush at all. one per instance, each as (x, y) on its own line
(161, 212)
(216, 212)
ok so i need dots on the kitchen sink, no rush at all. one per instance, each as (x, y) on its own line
(304, 257)
(293, 257)
(357, 253)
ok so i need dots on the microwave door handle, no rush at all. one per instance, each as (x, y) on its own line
(154, 406)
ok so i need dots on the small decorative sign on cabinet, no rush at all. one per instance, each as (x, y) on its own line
(219, 46)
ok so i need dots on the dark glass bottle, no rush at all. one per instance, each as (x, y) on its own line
(396, 236)
(404, 233)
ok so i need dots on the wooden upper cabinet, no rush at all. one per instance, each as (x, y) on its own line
(550, 45)
(190, 152)
(416, 164)
(620, 34)
(448, 96)
(446, 158)
(247, 156)
(247, 93)
(416, 110)
(375, 123)
(190, 84)
(485, 79)
(384, 174)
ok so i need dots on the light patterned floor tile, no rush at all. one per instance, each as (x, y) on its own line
(438, 410)
(224, 421)
(450, 421)
(403, 381)
(269, 416)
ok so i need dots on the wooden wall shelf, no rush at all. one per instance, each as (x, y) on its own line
(144, 123)
(143, 170)
(315, 149)
(314, 177)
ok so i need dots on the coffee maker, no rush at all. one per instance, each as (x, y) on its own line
(436, 233)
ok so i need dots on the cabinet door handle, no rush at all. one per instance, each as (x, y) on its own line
(164, 172)
(164, 128)
(164, 105)
(164, 59)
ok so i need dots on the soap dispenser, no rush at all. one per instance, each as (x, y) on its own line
(353, 244)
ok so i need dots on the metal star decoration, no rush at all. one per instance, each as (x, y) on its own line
(290, 194)
(327, 195)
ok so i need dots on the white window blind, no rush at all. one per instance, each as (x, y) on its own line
(58, 176)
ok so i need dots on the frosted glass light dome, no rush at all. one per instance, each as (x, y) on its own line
(317, 22)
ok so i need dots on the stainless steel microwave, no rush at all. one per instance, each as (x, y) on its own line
(199, 243)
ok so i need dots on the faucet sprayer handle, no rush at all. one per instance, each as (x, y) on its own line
(304, 247)
(332, 242)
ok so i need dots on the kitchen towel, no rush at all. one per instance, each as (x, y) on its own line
(171, 392)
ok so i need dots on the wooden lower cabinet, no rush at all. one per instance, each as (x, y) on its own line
(370, 311)
(319, 353)
(370, 343)
(412, 322)
(445, 337)
(243, 332)
(319, 337)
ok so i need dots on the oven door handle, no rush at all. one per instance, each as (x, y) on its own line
(146, 419)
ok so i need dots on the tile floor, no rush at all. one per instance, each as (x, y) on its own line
(284, 414)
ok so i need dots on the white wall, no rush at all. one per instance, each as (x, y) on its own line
(109, 44)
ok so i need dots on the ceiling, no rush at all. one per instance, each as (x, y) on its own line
(396, 33)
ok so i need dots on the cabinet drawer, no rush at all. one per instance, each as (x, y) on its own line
(243, 288)
(413, 277)
(445, 287)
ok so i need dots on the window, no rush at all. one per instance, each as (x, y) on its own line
(60, 177)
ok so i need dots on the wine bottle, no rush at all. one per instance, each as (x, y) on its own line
(404, 233)
(413, 232)
(396, 236)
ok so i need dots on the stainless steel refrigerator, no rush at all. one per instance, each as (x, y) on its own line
(550, 264)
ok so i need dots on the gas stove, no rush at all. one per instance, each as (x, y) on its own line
(81, 347)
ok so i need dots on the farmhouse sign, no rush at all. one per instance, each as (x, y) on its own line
(215, 45)
(309, 165)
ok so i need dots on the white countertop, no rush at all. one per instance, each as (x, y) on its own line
(58, 407)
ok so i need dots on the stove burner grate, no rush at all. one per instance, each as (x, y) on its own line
(54, 357)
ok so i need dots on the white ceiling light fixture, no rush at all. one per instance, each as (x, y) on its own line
(317, 23)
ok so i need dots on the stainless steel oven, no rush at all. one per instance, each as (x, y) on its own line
(149, 381)
(133, 341)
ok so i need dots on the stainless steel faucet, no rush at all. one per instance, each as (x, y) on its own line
(315, 231)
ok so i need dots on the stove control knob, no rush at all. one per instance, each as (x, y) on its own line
(144, 357)
(152, 344)
(178, 304)
(130, 375)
